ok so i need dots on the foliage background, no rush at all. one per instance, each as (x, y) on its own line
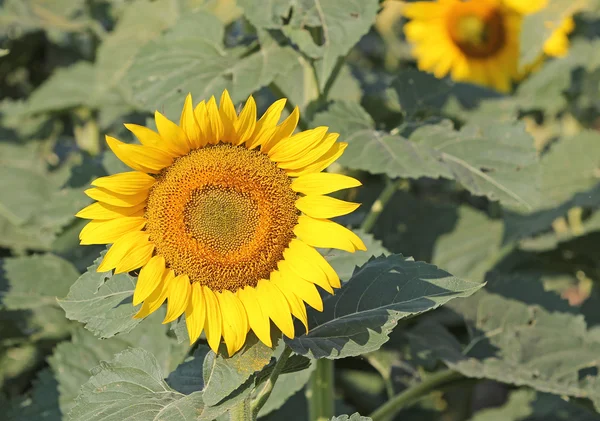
(501, 189)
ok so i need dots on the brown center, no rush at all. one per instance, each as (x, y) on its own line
(477, 28)
(223, 215)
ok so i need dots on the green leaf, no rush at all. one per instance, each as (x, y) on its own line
(66, 88)
(191, 58)
(519, 342)
(36, 280)
(473, 246)
(354, 417)
(73, 360)
(345, 263)
(28, 15)
(102, 301)
(341, 24)
(569, 179)
(538, 27)
(186, 378)
(131, 387)
(40, 405)
(496, 161)
(380, 293)
(222, 376)
(288, 383)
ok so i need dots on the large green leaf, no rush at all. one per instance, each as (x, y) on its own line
(73, 360)
(519, 342)
(191, 58)
(103, 301)
(496, 161)
(538, 27)
(187, 377)
(36, 280)
(569, 179)
(345, 263)
(472, 247)
(223, 375)
(380, 293)
(341, 24)
(131, 387)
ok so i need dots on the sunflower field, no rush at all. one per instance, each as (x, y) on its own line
(303, 210)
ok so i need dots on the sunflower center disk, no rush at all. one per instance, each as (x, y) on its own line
(477, 29)
(223, 215)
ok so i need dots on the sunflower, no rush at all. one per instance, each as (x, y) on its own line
(222, 213)
(475, 41)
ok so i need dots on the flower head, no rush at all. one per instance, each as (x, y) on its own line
(475, 40)
(222, 213)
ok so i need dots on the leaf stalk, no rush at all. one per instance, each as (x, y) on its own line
(265, 391)
(320, 392)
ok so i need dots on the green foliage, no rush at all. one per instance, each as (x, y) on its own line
(379, 294)
(496, 198)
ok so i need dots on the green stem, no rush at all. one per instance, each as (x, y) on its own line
(331, 79)
(241, 412)
(289, 105)
(378, 206)
(320, 392)
(264, 393)
(413, 394)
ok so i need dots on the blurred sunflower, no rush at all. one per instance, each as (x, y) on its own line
(475, 41)
(222, 214)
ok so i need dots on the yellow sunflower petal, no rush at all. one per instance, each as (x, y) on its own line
(149, 279)
(188, 123)
(323, 183)
(195, 313)
(319, 165)
(273, 302)
(245, 124)
(295, 146)
(296, 305)
(120, 248)
(202, 118)
(126, 183)
(141, 158)
(212, 324)
(305, 290)
(235, 321)
(269, 119)
(173, 136)
(106, 196)
(324, 233)
(257, 318)
(228, 117)
(178, 296)
(158, 297)
(103, 211)
(146, 136)
(312, 155)
(137, 257)
(107, 232)
(284, 130)
(309, 254)
(324, 206)
(306, 265)
(214, 120)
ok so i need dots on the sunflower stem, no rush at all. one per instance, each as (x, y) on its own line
(241, 412)
(264, 393)
(320, 392)
(378, 206)
(413, 394)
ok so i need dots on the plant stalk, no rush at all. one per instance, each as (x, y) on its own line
(264, 393)
(378, 206)
(320, 393)
(413, 394)
(241, 412)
